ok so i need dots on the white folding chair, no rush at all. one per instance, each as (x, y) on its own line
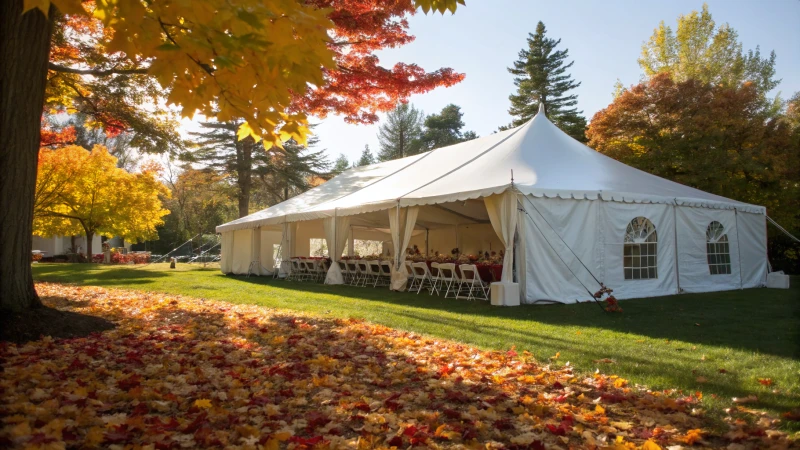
(310, 269)
(448, 279)
(386, 273)
(435, 278)
(322, 270)
(352, 270)
(345, 272)
(411, 279)
(363, 272)
(422, 275)
(295, 270)
(374, 271)
(471, 280)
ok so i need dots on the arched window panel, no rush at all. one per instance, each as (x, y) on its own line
(640, 252)
(718, 249)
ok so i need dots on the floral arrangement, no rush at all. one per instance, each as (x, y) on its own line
(611, 303)
(455, 251)
(463, 259)
(105, 247)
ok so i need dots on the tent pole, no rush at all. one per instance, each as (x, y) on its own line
(396, 250)
(675, 229)
(427, 231)
(738, 247)
(332, 252)
(351, 244)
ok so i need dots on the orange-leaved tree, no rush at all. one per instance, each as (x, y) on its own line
(245, 59)
(84, 192)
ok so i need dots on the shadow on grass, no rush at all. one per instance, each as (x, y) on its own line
(752, 333)
(761, 320)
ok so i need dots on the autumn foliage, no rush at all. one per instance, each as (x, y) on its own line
(179, 372)
(83, 192)
(240, 73)
(721, 140)
(358, 87)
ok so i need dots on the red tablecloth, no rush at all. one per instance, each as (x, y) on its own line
(489, 273)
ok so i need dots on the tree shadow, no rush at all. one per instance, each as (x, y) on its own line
(338, 378)
(761, 320)
(87, 274)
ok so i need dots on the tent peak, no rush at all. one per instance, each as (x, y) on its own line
(541, 109)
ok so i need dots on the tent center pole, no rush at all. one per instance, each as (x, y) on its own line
(675, 231)
(738, 247)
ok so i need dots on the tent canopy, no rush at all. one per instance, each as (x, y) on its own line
(546, 162)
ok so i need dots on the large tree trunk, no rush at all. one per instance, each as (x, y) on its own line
(89, 239)
(24, 53)
(244, 169)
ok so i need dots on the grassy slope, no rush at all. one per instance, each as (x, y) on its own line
(661, 342)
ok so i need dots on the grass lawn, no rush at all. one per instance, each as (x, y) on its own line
(718, 343)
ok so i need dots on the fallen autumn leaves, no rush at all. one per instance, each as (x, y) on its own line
(180, 372)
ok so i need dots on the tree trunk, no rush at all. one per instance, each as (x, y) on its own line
(24, 52)
(244, 171)
(89, 238)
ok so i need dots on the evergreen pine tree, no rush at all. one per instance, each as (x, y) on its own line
(399, 135)
(366, 158)
(540, 75)
(444, 129)
(340, 165)
(283, 172)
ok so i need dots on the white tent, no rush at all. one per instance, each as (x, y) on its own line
(569, 216)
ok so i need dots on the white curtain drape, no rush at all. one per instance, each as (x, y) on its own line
(336, 231)
(226, 257)
(287, 248)
(401, 224)
(502, 209)
(255, 255)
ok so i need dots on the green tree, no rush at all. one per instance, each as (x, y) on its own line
(400, 135)
(340, 165)
(444, 129)
(702, 51)
(469, 135)
(366, 158)
(540, 75)
(245, 162)
(292, 170)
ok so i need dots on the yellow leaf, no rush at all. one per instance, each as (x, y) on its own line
(283, 435)
(650, 445)
(202, 403)
(599, 409)
(21, 429)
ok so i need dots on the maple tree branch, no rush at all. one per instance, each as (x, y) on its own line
(98, 73)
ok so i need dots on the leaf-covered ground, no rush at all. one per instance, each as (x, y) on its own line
(181, 372)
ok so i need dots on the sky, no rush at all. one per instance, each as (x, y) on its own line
(604, 40)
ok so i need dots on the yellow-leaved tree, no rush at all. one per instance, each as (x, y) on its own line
(84, 192)
(225, 58)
